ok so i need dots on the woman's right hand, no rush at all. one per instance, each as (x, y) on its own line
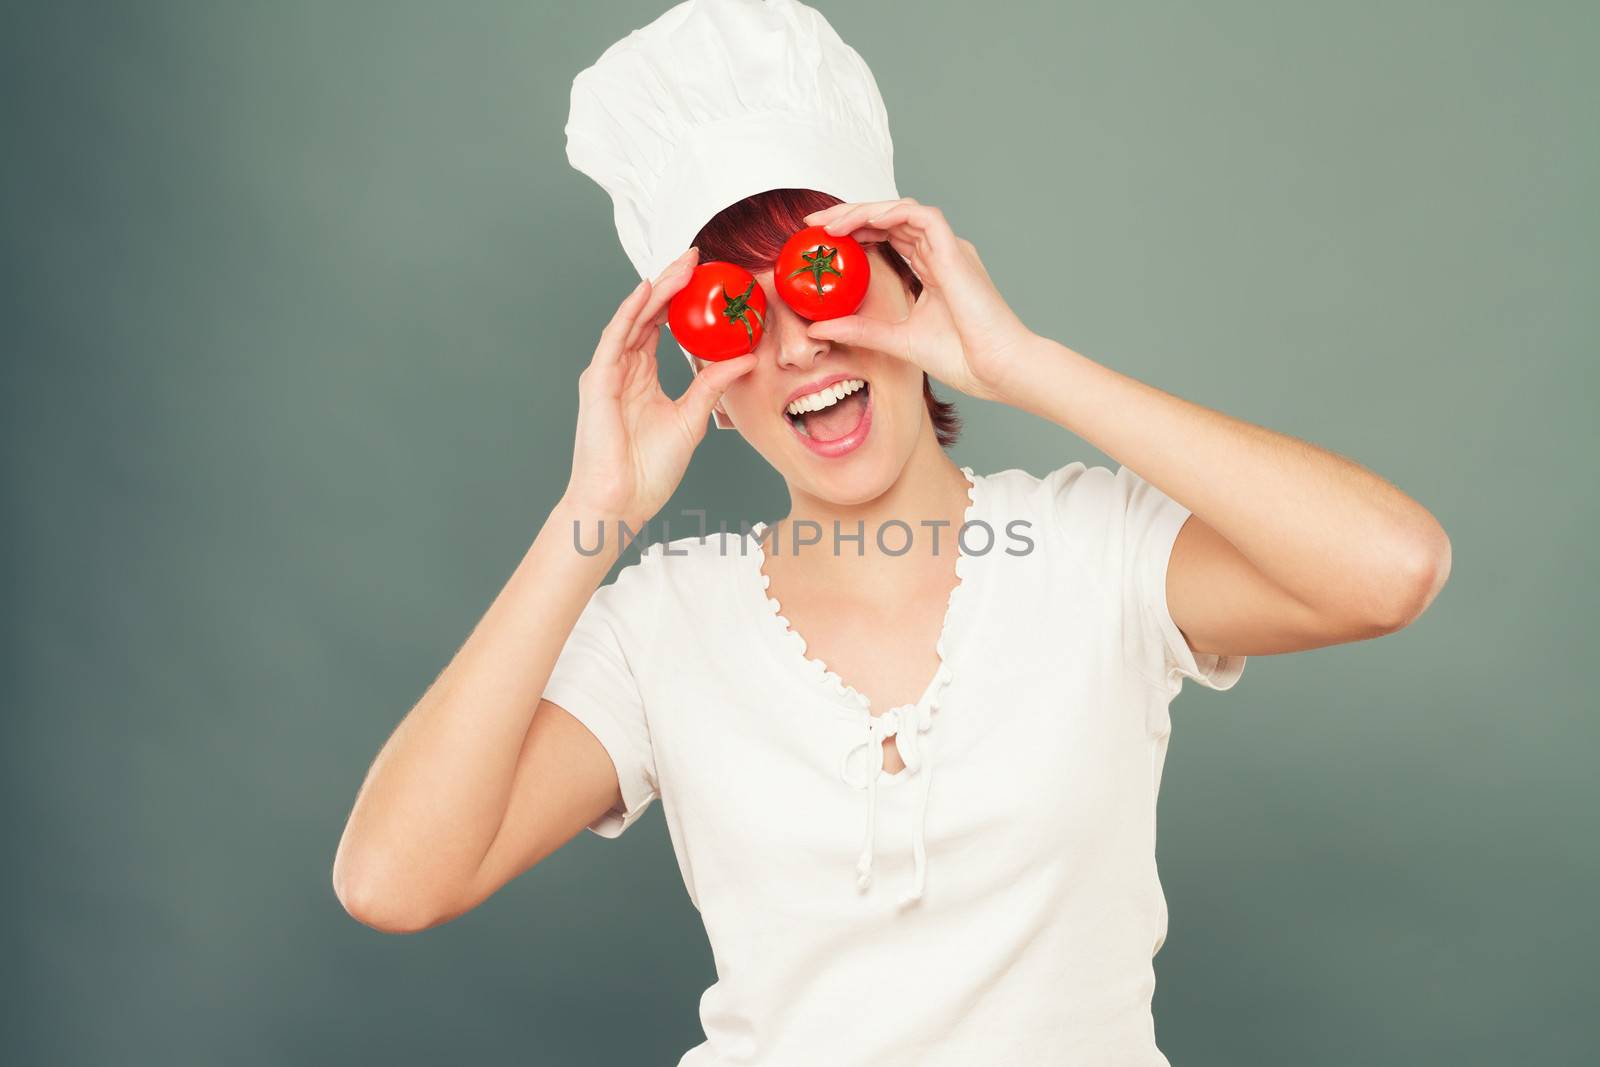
(633, 441)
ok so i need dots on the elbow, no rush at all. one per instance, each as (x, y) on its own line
(375, 903)
(1423, 572)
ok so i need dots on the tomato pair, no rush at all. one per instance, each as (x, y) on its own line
(721, 313)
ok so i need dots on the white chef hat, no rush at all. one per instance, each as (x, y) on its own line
(717, 100)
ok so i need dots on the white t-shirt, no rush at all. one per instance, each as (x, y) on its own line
(1012, 907)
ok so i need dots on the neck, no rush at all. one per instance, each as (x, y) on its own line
(930, 489)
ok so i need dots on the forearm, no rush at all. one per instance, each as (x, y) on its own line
(437, 793)
(1330, 532)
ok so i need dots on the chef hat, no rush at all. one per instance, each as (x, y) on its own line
(717, 100)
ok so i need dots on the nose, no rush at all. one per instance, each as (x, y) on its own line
(797, 349)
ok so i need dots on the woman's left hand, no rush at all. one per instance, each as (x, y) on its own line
(960, 330)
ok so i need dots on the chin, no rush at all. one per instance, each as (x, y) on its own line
(860, 463)
(868, 476)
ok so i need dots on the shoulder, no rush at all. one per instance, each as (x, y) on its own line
(667, 588)
(683, 575)
(1078, 513)
(1074, 487)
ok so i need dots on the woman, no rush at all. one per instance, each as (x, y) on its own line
(908, 739)
(1043, 909)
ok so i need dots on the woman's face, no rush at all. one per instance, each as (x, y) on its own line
(850, 451)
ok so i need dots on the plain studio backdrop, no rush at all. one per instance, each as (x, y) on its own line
(296, 295)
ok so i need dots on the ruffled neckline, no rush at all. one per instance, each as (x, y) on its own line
(793, 645)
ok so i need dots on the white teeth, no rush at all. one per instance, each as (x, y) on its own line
(825, 397)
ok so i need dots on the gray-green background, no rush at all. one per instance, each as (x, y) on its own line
(295, 299)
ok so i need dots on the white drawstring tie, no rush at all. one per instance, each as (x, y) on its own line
(904, 724)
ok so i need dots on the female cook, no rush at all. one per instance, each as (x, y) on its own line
(908, 738)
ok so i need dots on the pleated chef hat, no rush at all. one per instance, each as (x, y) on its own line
(717, 100)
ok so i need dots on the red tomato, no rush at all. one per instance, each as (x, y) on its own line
(822, 275)
(720, 313)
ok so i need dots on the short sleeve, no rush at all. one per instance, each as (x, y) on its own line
(1149, 525)
(597, 679)
(1119, 529)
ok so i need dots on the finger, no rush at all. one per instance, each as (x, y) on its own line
(862, 331)
(708, 386)
(910, 253)
(652, 338)
(601, 379)
(609, 347)
(907, 214)
(640, 362)
(672, 280)
(847, 222)
(644, 351)
(922, 224)
(642, 379)
(829, 215)
(821, 215)
(604, 373)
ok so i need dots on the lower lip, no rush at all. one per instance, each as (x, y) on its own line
(839, 446)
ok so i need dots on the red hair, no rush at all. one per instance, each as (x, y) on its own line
(750, 234)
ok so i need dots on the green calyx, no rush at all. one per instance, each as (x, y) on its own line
(818, 263)
(737, 308)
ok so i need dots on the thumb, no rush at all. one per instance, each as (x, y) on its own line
(710, 382)
(861, 331)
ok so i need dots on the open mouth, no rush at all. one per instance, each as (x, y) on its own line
(832, 413)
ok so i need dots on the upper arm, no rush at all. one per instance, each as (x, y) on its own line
(564, 781)
(587, 759)
(1194, 605)
(1223, 604)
